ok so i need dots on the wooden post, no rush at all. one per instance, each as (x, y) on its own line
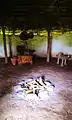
(10, 44)
(63, 31)
(49, 47)
(4, 41)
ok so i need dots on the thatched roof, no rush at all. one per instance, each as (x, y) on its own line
(36, 13)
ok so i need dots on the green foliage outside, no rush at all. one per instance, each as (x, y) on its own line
(34, 43)
(40, 38)
(68, 39)
(65, 38)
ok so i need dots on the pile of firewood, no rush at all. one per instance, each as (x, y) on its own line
(36, 85)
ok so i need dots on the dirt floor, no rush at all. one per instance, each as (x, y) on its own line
(58, 106)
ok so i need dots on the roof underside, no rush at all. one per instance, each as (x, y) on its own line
(31, 14)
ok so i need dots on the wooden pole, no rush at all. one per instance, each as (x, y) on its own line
(10, 45)
(4, 41)
(49, 47)
(63, 31)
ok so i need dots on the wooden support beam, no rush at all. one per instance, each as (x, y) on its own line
(63, 30)
(4, 41)
(10, 45)
(49, 47)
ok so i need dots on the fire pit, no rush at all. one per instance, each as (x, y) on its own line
(36, 86)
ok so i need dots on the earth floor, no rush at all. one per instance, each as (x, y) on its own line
(58, 106)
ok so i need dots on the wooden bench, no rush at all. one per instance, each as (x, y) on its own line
(21, 60)
(63, 57)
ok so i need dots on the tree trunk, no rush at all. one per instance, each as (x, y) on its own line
(4, 41)
(49, 47)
